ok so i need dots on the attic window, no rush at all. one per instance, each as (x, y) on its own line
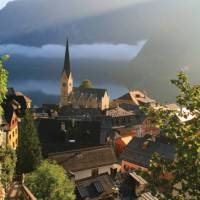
(98, 186)
(95, 172)
(63, 126)
(137, 95)
(145, 145)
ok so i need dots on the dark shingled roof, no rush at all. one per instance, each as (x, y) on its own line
(20, 98)
(8, 111)
(94, 187)
(69, 111)
(135, 153)
(87, 158)
(86, 133)
(125, 97)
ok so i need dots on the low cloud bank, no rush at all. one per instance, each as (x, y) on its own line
(104, 51)
(3, 3)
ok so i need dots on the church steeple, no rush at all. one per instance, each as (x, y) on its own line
(66, 67)
(66, 79)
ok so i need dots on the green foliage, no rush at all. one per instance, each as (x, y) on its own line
(49, 181)
(3, 80)
(86, 84)
(186, 166)
(29, 154)
(8, 161)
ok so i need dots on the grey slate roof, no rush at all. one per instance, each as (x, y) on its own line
(87, 158)
(98, 92)
(134, 152)
(94, 187)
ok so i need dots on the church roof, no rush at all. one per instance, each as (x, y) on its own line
(90, 91)
(66, 67)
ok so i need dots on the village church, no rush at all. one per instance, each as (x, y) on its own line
(80, 97)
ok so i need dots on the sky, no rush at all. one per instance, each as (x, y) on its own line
(3, 3)
(101, 5)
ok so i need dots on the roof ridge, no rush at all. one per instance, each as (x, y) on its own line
(81, 149)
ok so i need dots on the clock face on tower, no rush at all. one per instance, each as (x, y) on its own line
(64, 84)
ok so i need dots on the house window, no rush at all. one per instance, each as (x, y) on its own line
(126, 168)
(64, 84)
(95, 172)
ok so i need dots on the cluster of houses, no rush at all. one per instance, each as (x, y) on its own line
(14, 107)
(100, 143)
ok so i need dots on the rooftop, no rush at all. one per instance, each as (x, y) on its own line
(94, 188)
(140, 151)
(118, 112)
(86, 158)
(137, 97)
(98, 92)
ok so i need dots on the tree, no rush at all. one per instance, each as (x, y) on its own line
(49, 181)
(185, 168)
(29, 154)
(3, 80)
(86, 84)
(7, 163)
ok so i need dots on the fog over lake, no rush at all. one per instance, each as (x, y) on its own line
(104, 51)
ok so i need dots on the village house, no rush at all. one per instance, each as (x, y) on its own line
(87, 162)
(120, 117)
(80, 97)
(10, 126)
(96, 188)
(14, 107)
(133, 99)
(139, 151)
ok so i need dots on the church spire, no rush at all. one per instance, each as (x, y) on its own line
(66, 67)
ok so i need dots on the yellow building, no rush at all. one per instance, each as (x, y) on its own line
(9, 129)
(79, 97)
(14, 108)
(12, 134)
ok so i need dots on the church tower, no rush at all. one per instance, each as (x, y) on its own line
(66, 79)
